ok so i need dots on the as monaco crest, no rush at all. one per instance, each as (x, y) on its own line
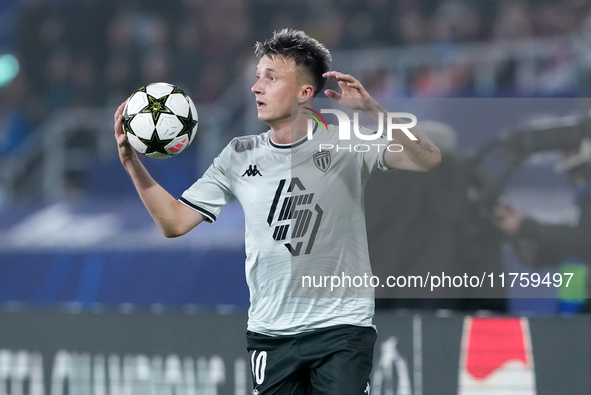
(322, 160)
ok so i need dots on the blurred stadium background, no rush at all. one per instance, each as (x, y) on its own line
(93, 300)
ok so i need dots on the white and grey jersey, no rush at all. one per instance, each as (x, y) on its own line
(304, 216)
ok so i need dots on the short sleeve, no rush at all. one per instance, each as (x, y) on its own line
(212, 191)
(370, 153)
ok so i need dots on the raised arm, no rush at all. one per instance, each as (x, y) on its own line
(417, 155)
(171, 216)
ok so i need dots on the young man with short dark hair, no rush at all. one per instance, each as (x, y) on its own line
(303, 215)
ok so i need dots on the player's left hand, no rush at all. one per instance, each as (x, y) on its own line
(353, 95)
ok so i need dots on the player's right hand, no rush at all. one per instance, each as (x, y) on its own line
(353, 92)
(126, 151)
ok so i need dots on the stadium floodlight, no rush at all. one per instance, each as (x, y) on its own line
(9, 67)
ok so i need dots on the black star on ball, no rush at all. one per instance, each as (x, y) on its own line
(155, 144)
(188, 124)
(156, 107)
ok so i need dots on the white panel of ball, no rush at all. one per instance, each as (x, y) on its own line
(178, 104)
(168, 126)
(143, 125)
(137, 144)
(136, 102)
(178, 144)
(195, 117)
(159, 90)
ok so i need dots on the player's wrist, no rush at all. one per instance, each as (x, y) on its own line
(372, 107)
(130, 160)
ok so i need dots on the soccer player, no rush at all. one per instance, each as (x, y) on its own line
(304, 217)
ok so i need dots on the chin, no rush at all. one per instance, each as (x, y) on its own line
(264, 117)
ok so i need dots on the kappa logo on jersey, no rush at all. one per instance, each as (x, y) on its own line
(303, 215)
(252, 171)
(322, 160)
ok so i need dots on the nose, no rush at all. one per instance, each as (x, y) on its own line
(256, 88)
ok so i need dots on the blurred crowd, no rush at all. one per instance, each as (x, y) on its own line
(95, 53)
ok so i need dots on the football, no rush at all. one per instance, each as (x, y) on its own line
(160, 120)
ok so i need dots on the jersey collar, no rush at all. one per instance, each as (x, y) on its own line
(291, 145)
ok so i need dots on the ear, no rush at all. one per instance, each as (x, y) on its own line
(306, 92)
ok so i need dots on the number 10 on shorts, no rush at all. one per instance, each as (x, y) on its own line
(258, 363)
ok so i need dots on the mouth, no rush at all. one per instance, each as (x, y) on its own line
(260, 104)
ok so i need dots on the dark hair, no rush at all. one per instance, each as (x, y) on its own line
(302, 49)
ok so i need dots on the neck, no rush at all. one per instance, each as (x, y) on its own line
(289, 131)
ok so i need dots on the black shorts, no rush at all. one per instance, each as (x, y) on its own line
(335, 360)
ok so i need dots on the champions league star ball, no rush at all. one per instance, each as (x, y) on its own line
(160, 120)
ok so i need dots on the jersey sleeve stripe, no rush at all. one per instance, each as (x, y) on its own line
(209, 216)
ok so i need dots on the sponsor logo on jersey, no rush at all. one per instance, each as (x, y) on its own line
(252, 171)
